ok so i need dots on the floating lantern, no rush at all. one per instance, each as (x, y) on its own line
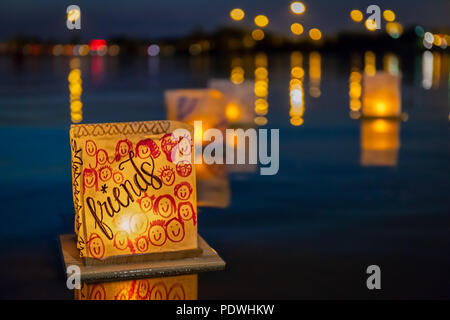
(240, 100)
(134, 190)
(380, 142)
(189, 105)
(170, 288)
(381, 95)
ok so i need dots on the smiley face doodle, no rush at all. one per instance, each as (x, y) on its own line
(183, 190)
(138, 223)
(91, 148)
(165, 206)
(157, 233)
(98, 292)
(184, 146)
(186, 212)
(168, 142)
(143, 289)
(121, 241)
(118, 177)
(141, 243)
(90, 179)
(146, 202)
(175, 230)
(176, 292)
(105, 173)
(147, 147)
(102, 157)
(158, 292)
(167, 175)
(184, 168)
(123, 147)
(96, 246)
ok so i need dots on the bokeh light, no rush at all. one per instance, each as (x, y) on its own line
(389, 15)
(315, 34)
(394, 29)
(261, 21)
(297, 7)
(237, 14)
(356, 15)
(371, 25)
(153, 50)
(297, 28)
(257, 34)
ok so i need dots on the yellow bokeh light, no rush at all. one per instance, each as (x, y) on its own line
(389, 15)
(394, 29)
(356, 15)
(232, 111)
(297, 28)
(76, 106)
(315, 34)
(297, 7)
(261, 21)
(258, 34)
(237, 14)
(73, 15)
(261, 73)
(370, 24)
(83, 50)
(296, 121)
(261, 121)
(297, 72)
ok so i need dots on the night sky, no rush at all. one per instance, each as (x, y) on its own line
(154, 19)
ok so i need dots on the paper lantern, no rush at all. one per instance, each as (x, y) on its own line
(170, 288)
(134, 190)
(189, 105)
(381, 95)
(380, 142)
(240, 100)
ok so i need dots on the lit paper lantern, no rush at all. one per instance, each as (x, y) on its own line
(381, 95)
(171, 288)
(189, 105)
(380, 142)
(134, 190)
(239, 108)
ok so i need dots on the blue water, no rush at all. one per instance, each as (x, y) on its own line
(308, 232)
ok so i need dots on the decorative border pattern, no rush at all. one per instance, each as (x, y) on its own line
(107, 129)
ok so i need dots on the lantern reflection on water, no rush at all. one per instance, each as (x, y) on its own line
(170, 288)
(381, 95)
(380, 142)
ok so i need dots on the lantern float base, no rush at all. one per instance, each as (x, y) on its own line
(208, 260)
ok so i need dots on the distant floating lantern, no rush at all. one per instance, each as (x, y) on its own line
(381, 95)
(380, 142)
(239, 100)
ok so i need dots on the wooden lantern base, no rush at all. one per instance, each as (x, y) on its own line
(198, 260)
